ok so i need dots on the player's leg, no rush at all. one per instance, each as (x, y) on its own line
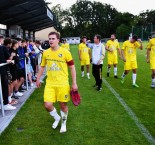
(134, 76)
(63, 96)
(115, 71)
(108, 70)
(115, 67)
(82, 70)
(153, 78)
(64, 114)
(88, 71)
(127, 67)
(49, 99)
(99, 77)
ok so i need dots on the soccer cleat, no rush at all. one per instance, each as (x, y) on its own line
(135, 85)
(116, 77)
(122, 81)
(107, 74)
(55, 124)
(152, 86)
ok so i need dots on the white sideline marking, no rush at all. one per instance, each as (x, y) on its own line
(141, 127)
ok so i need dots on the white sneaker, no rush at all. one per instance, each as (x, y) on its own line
(18, 94)
(24, 87)
(82, 75)
(55, 124)
(9, 107)
(63, 128)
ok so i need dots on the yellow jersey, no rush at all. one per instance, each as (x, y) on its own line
(57, 68)
(130, 50)
(151, 45)
(114, 45)
(65, 45)
(84, 51)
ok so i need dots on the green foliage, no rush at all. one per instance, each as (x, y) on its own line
(122, 31)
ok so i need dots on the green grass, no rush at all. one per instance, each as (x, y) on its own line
(99, 120)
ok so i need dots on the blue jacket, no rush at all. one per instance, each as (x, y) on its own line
(22, 56)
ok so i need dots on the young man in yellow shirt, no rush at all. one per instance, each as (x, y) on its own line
(129, 58)
(112, 46)
(151, 58)
(65, 45)
(57, 60)
(84, 56)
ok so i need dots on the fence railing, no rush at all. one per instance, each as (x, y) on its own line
(26, 80)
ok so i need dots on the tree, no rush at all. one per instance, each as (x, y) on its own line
(122, 31)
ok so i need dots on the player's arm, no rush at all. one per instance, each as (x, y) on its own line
(89, 51)
(123, 52)
(107, 47)
(102, 55)
(79, 53)
(141, 44)
(41, 70)
(148, 55)
(119, 51)
(73, 74)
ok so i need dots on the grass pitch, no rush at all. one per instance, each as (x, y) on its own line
(99, 120)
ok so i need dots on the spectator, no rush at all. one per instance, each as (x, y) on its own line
(3, 74)
(1, 39)
(13, 69)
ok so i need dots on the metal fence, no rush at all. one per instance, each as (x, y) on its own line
(144, 32)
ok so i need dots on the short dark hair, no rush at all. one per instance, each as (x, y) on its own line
(84, 37)
(135, 37)
(23, 40)
(38, 42)
(55, 33)
(14, 42)
(7, 41)
(98, 36)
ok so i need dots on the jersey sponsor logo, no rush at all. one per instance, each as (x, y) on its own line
(60, 55)
(66, 96)
(54, 67)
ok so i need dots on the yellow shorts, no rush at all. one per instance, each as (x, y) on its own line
(112, 60)
(85, 62)
(59, 94)
(129, 65)
(152, 64)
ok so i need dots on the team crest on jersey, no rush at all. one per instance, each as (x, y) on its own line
(60, 55)
(66, 96)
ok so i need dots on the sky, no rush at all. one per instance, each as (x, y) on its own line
(131, 6)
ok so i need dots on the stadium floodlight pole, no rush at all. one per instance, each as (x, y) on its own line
(26, 79)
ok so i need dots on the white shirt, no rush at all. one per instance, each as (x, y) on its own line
(98, 51)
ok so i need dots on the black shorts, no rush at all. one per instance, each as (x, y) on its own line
(21, 73)
(14, 74)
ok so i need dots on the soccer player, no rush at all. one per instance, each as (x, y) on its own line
(84, 56)
(112, 46)
(129, 57)
(65, 45)
(151, 58)
(57, 86)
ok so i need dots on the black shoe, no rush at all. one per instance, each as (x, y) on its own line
(107, 74)
(99, 88)
(116, 77)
